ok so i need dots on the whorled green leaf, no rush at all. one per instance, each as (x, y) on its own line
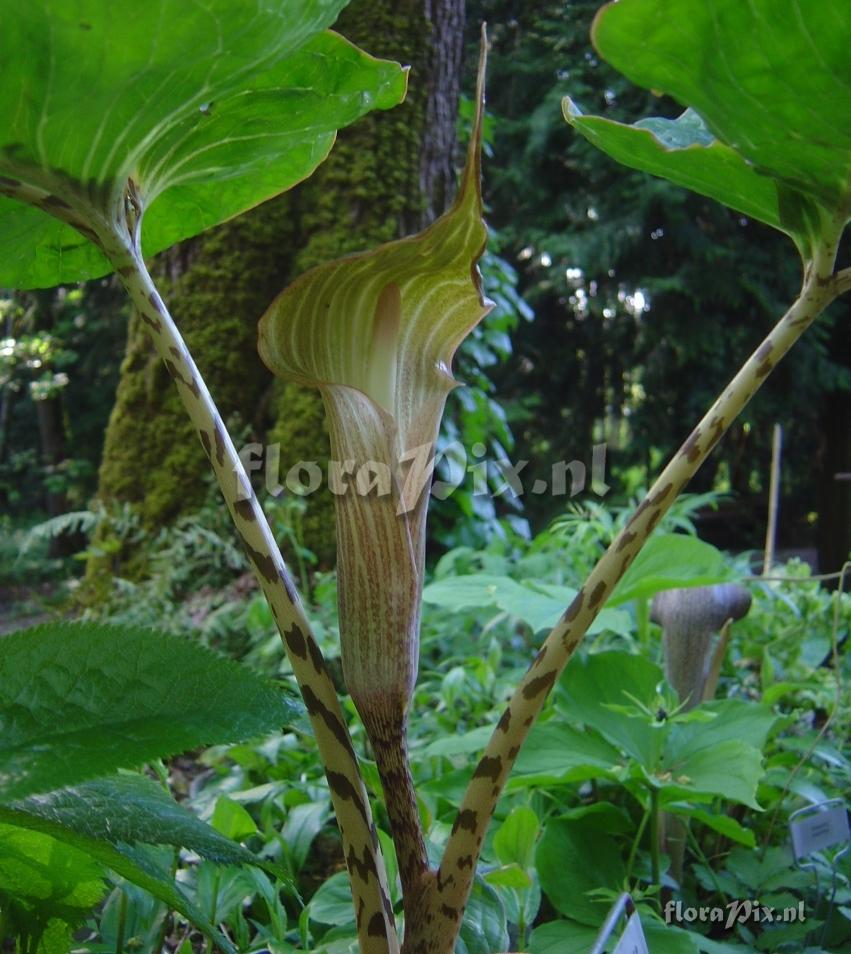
(79, 699)
(208, 108)
(718, 757)
(730, 769)
(376, 333)
(769, 78)
(594, 690)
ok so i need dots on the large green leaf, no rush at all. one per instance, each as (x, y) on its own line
(78, 700)
(562, 937)
(46, 878)
(670, 561)
(721, 756)
(713, 751)
(209, 108)
(685, 152)
(730, 769)
(65, 848)
(541, 605)
(769, 78)
(556, 752)
(570, 937)
(125, 808)
(595, 689)
(575, 859)
(484, 929)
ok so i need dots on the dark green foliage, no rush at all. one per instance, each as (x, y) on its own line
(587, 234)
(81, 699)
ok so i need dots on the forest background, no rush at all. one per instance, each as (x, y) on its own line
(599, 275)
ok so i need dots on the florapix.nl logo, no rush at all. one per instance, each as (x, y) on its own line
(442, 473)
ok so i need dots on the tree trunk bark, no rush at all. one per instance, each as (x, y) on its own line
(388, 175)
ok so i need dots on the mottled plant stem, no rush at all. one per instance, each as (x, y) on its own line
(389, 741)
(450, 886)
(374, 913)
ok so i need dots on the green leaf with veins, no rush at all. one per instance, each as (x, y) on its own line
(538, 604)
(47, 861)
(78, 700)
(47, 878)
(684, 152)
(670, 561)
(125, 808)
(209, 108)
(771, 82)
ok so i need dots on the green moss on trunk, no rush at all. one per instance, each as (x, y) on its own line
(378, 184)
(217, 285)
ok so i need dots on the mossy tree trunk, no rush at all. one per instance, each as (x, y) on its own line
(387, 176)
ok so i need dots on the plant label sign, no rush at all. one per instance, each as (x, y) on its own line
(632, 940)
(821, 827)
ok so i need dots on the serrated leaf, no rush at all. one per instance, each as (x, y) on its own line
(135, 864)
(79, 699)
(209, 108)
(130, 808)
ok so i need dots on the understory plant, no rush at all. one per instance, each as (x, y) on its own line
(111, 151)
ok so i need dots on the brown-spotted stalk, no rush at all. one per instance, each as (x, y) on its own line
(449, 888)
(376, 334)
(117, 236)
(376, 928)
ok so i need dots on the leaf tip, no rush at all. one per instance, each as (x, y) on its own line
(570, 110)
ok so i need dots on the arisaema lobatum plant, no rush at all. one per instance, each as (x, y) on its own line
(120, 136)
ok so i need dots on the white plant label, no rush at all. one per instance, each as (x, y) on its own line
(820, 830)
(632, 940)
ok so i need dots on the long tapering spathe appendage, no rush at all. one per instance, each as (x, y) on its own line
(376, 333)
